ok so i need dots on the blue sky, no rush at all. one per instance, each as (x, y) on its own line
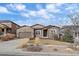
(38, 13)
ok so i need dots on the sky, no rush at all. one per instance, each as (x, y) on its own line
(38, 13)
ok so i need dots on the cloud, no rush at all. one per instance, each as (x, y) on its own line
(24, 14)
(39, 6)
(52, 8)
(72, 8)
(59, 4)
(18, 7)
(42, 13)
(32, 13)
(29, 14)
(3, 9)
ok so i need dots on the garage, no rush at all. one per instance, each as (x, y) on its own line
(25, 32)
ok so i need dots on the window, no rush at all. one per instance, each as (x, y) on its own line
(52, 31)
(37, 32)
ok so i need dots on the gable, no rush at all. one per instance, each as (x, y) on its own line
(37, 26)
(22, 29)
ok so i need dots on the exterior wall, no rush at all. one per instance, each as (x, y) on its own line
(14, 27)
(25, 29)
(52, 32)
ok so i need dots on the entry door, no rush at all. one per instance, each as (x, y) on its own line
(37, 33)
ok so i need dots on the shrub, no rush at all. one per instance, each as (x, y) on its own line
(10, 36)
(32, 38)
(7, 37)
(55, 49)
(67, 36)
(34, 48)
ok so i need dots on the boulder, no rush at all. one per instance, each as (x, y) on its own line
(69, 50)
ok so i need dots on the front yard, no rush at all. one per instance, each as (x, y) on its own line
(49, 47)
(49, 42)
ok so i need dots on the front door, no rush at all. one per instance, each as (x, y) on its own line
(37, 33)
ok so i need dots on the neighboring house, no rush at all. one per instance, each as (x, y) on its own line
(73, 29)
(38, 30)
(8, 26)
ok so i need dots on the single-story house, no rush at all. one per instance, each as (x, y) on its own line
(7, 26)
(38, 30)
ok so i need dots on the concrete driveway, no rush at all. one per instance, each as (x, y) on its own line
(9, 46)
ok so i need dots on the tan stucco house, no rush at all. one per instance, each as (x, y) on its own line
(38, 30)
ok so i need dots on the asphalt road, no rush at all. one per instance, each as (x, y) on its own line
(36, 54)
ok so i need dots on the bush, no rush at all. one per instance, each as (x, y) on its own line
(32, 38)
(34, 48)
(7, 37)
(55, 49)
(67, 36)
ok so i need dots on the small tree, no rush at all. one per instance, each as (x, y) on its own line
(75, 20)
(67, 36)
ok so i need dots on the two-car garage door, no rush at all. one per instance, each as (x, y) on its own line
(24, 34)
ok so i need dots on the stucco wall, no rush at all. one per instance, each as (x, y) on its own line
(52, 32)
(25, 29)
